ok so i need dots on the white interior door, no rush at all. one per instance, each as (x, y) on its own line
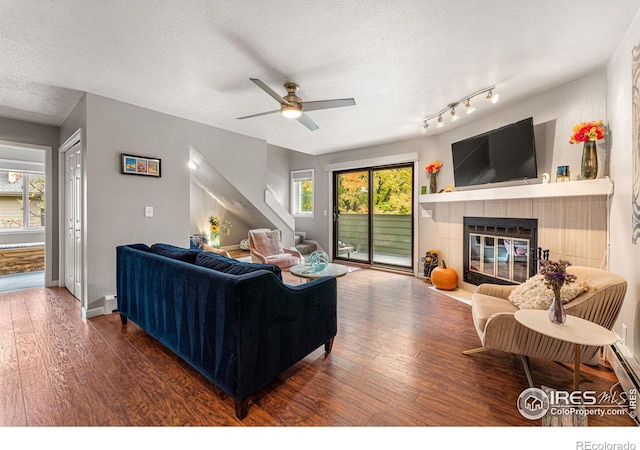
(73, 220)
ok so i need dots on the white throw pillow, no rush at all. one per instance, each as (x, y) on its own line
(533, 294)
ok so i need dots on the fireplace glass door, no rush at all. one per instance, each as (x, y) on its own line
(499, 257)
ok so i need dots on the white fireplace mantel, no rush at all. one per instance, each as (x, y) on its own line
(581, 188)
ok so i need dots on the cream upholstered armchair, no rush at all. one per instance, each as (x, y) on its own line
(497, 328)
(266, 247)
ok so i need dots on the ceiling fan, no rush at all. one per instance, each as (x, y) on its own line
(292, 106)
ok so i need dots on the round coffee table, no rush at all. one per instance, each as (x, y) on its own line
(332, 270)
(575, 330)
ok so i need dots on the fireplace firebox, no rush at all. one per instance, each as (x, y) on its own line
(499, 250)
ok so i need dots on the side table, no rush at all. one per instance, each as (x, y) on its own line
(575, 330)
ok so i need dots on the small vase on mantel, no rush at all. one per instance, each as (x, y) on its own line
(557, 313)
(433, 183)
(589, 167)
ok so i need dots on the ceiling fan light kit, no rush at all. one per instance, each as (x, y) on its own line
(292, 106)
(290, 111)
(451, 107)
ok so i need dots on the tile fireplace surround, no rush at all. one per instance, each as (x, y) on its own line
(572, 219)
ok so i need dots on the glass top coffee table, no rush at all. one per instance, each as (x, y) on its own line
(332, 270)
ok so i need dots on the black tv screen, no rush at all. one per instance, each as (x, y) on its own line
(505, 154)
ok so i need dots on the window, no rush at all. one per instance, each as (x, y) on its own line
(21, 200)
(302, 193)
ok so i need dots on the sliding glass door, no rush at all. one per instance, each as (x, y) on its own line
(351, 216)
(373, 215)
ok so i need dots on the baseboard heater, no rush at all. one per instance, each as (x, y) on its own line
(626, 369)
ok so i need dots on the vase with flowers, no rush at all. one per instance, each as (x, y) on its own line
(555, 276)
(433, 168)
(589, 133)
(214, 231)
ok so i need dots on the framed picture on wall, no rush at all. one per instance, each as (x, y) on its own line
(139, 165)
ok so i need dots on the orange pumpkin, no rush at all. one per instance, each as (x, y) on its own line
(444, 278)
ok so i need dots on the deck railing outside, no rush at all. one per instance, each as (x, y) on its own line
(391, 237)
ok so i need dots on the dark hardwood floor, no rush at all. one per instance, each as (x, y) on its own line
(396, 361)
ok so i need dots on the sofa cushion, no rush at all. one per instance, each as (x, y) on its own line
(173, 252)
(533, 294)
(232, 266)
(143, 247)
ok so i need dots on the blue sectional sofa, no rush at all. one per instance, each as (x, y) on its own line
(236, 323)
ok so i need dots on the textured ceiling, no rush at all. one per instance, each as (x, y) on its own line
(400, 60)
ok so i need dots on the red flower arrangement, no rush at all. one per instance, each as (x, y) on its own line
(587, 131)
(434, 167)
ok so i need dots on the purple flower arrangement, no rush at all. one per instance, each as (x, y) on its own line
(555, 276)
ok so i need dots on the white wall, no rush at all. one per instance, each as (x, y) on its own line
(116, 202)
(624, 254)
(203, 206)
(278, 174)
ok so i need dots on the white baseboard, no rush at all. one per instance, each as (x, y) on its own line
(93, 312)
(625, 367)
(110, 304)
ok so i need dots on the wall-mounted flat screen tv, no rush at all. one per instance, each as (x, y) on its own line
(504, 154)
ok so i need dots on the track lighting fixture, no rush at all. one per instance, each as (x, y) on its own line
(468, 107)
(494, 98)
(423, 128)
(454, 116)
(451, 107)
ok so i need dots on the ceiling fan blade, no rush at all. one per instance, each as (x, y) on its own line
(260, 114)
(326, 104)
(270, 91)
(307, 122)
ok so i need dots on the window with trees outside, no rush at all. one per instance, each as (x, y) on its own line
(302, 193)
(21, 200)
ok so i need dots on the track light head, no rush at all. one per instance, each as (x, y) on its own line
(468, 106)
(454, 116)
(440, 121)
(493, 97)
(423, 128)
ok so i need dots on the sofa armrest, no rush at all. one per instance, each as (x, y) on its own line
(280, 324)
(495, 290)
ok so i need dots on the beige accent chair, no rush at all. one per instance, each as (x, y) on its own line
(493, 318)
(266, 247)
